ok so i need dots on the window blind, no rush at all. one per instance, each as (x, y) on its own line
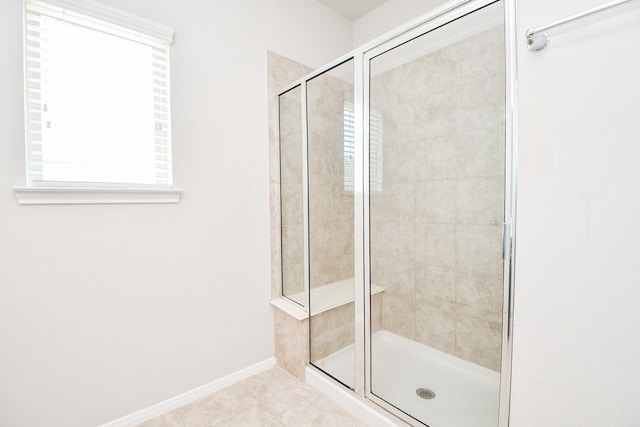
(96, 97)
(375, 151)
(375, 148)
(349, 141)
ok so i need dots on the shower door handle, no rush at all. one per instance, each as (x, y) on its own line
(506, 240)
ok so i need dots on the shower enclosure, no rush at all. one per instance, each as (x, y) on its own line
(396, 211)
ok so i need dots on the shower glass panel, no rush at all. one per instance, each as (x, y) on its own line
(291, 219)
(436, 208)
(330, 142)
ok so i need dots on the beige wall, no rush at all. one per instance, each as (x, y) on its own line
(289, 207)
(285, 176)
(331, 208)
(330, 205)
(291, 336)
(436, 224)
(334, 329)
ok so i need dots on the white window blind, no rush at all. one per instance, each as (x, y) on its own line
(349, 141)
(96, 96)
(375, 151)
(375, 148)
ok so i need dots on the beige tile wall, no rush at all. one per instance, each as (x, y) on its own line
(331, 210)
(291, 343)
(334, 329)
(291, 335)
(291, 188)
(281, 72)
(330, 206)
(436, 224)
(331, 230)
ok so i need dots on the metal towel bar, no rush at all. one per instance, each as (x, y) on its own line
(537, 39)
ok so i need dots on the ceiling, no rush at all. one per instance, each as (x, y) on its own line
(352, 9)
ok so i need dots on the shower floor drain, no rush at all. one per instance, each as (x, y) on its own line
(425, 393)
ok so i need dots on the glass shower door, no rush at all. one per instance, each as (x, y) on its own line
(291, 195)
(330, 126)
(436, 208)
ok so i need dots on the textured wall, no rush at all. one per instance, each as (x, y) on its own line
(285, 162)
(330, 205)
(291, 335)
(436, 223)
(292, 230)
(334, 329)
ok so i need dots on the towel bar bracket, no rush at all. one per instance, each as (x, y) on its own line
(536, 41)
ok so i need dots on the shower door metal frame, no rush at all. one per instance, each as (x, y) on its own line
(362, 273)
(510, 205)
(440, 17)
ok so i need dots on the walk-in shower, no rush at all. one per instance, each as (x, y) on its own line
(396, 178)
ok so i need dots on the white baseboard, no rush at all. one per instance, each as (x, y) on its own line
(190, 396)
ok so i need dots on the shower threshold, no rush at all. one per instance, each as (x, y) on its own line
(465, 394)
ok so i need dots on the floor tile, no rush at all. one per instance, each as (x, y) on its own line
(319, 411)
(154, 422)
(256, 416)
(213, 409)
(272, 398)
(276, 390)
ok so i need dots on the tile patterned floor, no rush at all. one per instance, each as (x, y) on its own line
(270, 398)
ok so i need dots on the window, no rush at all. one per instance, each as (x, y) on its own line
(96, 97)
(375, 149)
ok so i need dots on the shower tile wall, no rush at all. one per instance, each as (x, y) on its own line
(334, 329)
(291, 193)
(330, 205)
(436, 223)
(331, 233)
(282, 71)
(291, 335)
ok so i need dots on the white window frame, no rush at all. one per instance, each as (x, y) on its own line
(90, 193)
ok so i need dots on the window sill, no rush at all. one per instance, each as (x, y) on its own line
(91, 196)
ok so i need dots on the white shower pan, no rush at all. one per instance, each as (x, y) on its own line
(466, 394)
